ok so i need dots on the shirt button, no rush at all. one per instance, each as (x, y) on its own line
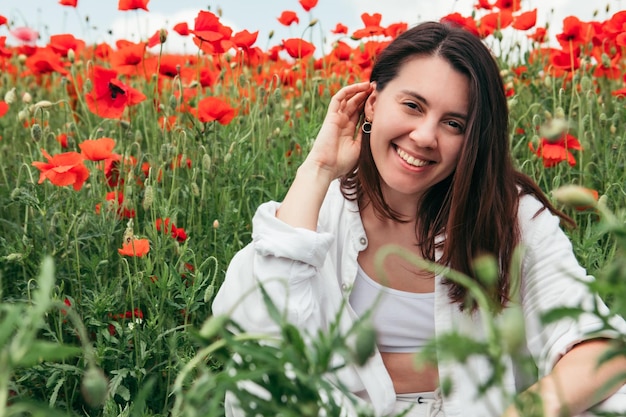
(344, 287)
(363, 241)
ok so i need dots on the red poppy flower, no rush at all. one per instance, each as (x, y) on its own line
(619, 93)
(155, 39)
(308, 4)
(540, 35)
(97, 149)
(372, 26)
(181, 28)
(167, 227)
(340, 29)
(298, 48)
(3, 20)
(72, 3)
(484, 5)
(63, 169)
(45, 61)
(288, 17)
(135, 247)
(525, 20)
(212, 108)
(211, 33)
(467, 23)
(128, 58)
(115, 202)
(62, 139)
(245, 39)
(4, 108)
(509, 5)
(61, 44)
(575, 32)
(133, 5)
(555, 152)
(109, 97)
(494, 21)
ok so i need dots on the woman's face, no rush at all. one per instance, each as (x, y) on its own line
(418, 126)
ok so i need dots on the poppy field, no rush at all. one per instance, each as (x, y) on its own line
(129, 178)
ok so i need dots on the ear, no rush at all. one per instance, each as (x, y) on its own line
(370, 104)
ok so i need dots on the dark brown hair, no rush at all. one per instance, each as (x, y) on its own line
(476, 206)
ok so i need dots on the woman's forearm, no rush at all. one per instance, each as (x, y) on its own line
(301, 205)
(578, 381)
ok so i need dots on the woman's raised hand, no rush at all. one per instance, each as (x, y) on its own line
(337, 146)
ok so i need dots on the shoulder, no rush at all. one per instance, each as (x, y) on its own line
(338, 211)
(535, 220)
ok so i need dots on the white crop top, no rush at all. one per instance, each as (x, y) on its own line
(404, 321)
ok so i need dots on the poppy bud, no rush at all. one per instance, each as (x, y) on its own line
(206, 162)
(35, 132)
(574, 195)
(10, 96)
(216, 224)
(162, 35)
(365, 345)
(486, 269)
(512, 330)
(148, 197)
(94, 387)
(71, 55)
(26, 97)
(212, 326)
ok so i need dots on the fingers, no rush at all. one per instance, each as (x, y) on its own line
(350, 99)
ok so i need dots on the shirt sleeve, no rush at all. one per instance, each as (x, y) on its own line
(552, 278)
(284, 260)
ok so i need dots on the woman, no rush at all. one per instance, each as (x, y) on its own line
(431, 172)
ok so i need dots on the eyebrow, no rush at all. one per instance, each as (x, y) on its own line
(423, 100)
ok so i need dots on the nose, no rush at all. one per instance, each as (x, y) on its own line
(424, 132)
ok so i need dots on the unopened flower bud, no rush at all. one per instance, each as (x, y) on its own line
(71, 55)
(94, 387)
(313, 22)
(10, 96)
(162, 35)
(513, 330)
(206, 162)
(23, 115)
(216, 224)
(148, 197)
(36, 133)
(574, 195)
(365, 343)
(26, 97)
(486, 269)
(554, 128)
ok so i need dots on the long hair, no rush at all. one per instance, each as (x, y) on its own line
(475, 208)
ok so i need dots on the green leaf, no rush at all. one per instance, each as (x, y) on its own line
(272, 310)
(557, 314)
(42, 351)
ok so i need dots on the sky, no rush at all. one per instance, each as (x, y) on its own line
(97, 21)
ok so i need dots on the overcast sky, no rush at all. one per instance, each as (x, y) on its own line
(92, 20)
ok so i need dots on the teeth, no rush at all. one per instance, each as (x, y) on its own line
(410, 160)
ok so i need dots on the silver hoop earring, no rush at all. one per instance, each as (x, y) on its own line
(366, 127)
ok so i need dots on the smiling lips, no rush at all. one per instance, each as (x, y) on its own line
(411, 160)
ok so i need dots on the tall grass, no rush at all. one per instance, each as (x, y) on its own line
(144, 315)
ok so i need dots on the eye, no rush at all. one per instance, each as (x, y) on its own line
(459, 127)
(412, 105)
